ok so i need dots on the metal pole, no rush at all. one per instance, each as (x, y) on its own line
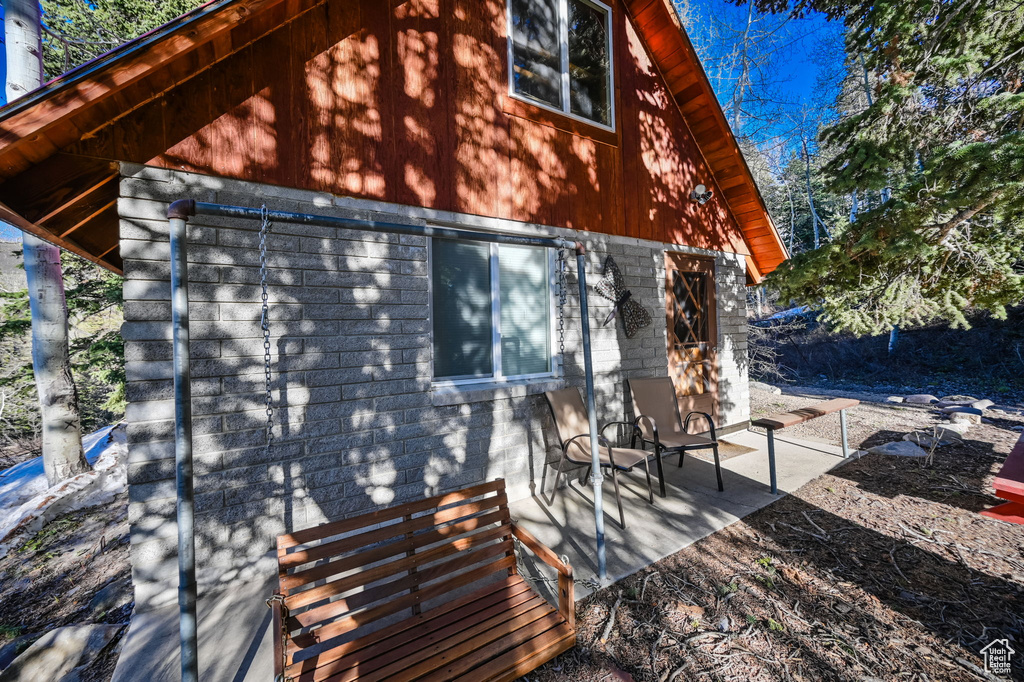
(771, 461)
(596, 477)
(204, 208)
(842, 430)
(187, 590)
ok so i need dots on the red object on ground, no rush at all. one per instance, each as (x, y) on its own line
(1009, 485)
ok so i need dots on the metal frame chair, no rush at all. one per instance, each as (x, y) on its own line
(650, 399)
(572, 428)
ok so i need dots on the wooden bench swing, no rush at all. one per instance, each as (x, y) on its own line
(783, 420)
(449, 563)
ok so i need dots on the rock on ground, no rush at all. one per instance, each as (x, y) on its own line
(921, 399)
(768, 388)
(11, 650)
(964, 418)
(55, 656)
(928, 440)
(900, 448)
(960, 409)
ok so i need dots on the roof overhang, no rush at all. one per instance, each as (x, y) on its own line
(70, 200)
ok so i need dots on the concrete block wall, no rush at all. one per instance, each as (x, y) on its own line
(357, 423)
(733, 381)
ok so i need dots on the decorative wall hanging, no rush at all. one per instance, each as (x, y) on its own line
(613, 287)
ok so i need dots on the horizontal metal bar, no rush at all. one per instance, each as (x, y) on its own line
(205, 208)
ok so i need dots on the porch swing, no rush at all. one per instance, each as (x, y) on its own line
(448, 560)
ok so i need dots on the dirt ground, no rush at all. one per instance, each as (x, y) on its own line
(880, 570)
(50, 581)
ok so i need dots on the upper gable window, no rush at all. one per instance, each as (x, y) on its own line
(560, 56)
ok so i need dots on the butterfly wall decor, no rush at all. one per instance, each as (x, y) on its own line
(613, 287)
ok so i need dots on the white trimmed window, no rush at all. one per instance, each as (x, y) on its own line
(560, 56)
(491, 310)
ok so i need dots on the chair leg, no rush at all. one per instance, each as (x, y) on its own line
(561, 463)
(658, 452)
(650, 488)
(618, 498)
(682, 453)
(718, 469)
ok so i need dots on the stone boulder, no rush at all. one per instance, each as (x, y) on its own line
(114, 595)
(894, 399)
(965, 418)
(982, 404)
(900, 448)
(960, 409)
(929, 440)
(921, 399)
(55, 656)
(958, 399)
(768, 388)
(11, 650)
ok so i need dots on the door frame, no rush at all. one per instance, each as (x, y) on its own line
(708, 401)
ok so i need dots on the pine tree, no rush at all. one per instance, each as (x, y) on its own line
(939, 153)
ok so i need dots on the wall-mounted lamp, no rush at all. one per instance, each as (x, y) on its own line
(701, 194)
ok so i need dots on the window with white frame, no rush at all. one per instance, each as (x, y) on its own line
(560, 56)
(491, 311)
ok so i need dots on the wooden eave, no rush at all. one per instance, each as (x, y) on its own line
(71, 200)
(658, 25)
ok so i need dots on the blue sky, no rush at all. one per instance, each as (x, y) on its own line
(803, 60)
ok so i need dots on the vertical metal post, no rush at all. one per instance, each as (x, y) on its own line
(771, 460)
(596, 477)
(187, 590)
(842, 431)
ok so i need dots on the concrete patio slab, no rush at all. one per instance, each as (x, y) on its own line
(693, 507)
(235, 642)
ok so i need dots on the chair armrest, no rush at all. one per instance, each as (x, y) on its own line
(543, 552)
(631, 425)
(711, 423)
(653, 424)
(566, 585)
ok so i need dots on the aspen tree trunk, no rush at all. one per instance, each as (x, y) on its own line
(810, 194)
(58, 397)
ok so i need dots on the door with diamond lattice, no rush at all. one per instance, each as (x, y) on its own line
(690, 315)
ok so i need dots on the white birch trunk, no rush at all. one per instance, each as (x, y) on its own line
(58, 398)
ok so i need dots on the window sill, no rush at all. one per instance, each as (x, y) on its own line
(514, 106)
(456, 394)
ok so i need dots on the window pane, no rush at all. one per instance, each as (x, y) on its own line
(462, 309)
(525, 310)
(589, 86)
(536, 54)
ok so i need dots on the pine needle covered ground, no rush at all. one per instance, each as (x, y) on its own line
(881, 570)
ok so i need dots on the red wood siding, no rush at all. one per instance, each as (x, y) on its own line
(407, 102)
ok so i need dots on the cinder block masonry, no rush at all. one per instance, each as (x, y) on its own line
(357, 421)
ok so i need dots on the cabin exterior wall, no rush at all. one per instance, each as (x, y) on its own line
(352, 387)
(408, 102)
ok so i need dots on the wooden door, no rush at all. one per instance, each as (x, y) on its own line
(690, 316)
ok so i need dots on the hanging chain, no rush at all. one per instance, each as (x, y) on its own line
(265, 321)
(562, 294)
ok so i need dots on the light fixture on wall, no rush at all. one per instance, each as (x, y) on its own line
(701, 194)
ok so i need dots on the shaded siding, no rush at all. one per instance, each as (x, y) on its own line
(406, 102)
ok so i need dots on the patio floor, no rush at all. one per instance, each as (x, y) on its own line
(693, 507)
(235, 642)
